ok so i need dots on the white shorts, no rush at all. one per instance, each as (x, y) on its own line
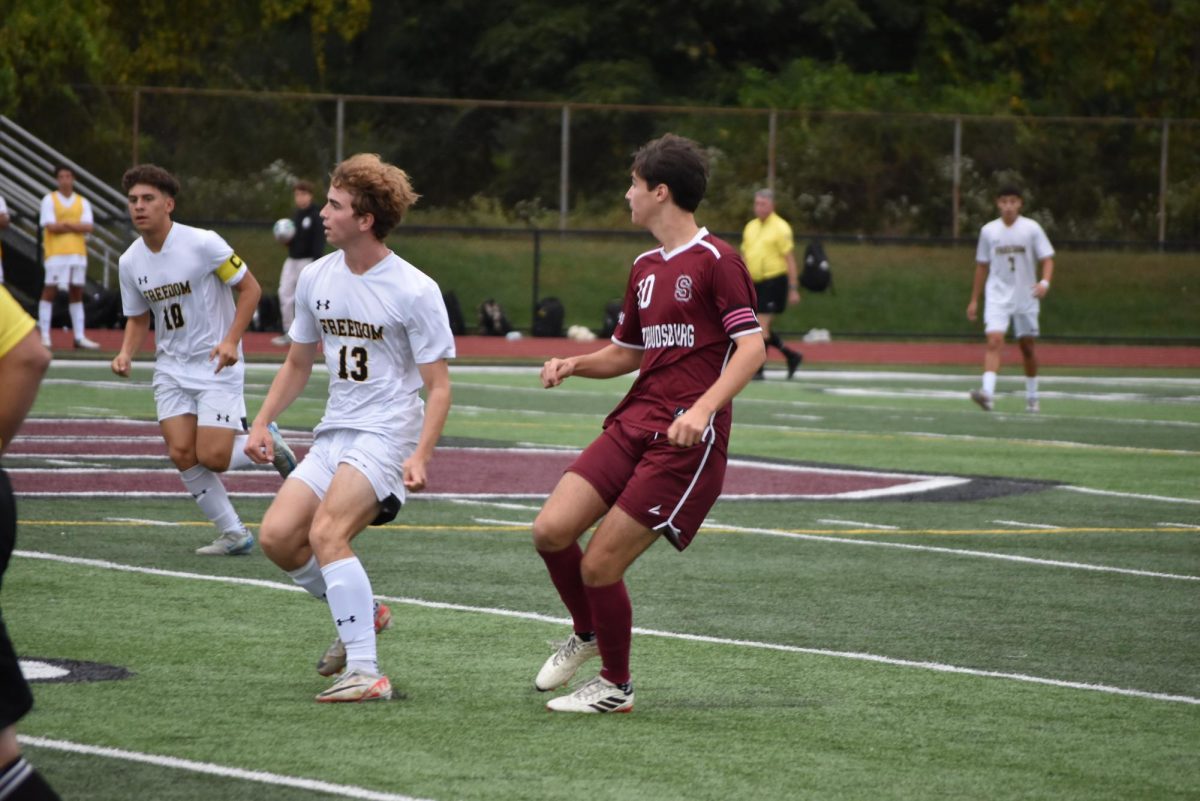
(378, 457)
(216, 403)
(1024, 324)
(64, 275)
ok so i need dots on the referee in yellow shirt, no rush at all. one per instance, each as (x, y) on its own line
(770, 255)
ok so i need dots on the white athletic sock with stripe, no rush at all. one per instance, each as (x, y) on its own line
(238, 458)
(989, 383)
(211, 497)
(348, 591)
(1031, 387)
(76, 310)
(310, 578)
(45, 311)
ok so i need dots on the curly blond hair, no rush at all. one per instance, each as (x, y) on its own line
(377, 188)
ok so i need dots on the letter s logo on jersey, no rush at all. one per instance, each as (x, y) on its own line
(645, 289)
(683, 288)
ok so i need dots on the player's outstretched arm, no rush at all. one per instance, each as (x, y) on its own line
(21, 371)
(611, 360)
(288, 384)
(436, 376)
(136, 328)
(248, 294)
(981, 274)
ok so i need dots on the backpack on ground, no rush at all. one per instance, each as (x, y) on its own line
(612, 313)
(548, 318)
(458, 326)
(492, 320)
(815, 275)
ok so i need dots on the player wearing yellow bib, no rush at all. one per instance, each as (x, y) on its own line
(182, 278)
(66, 220)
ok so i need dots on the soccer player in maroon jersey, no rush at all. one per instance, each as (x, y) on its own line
(688, 325)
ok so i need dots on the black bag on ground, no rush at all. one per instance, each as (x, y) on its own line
(458, 326)
(101, 308)
(815, 275)
(548, 318)
(268, 316)
(492, 321)
(612, 313)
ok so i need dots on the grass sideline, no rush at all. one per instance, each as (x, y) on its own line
(805, 637)
(919, 291)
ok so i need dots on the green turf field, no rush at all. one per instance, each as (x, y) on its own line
(1042, 645)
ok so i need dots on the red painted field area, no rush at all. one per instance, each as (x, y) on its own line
(87, 458)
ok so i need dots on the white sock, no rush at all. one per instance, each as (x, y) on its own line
(1031, 387)
(311, 579)
(989, 383)
(45, 310)
(348, 591)
(238, 457)
(76, 310)
(211, 497)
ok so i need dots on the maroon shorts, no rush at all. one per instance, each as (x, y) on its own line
(666, 489)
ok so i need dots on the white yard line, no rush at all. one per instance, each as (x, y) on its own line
(534, 616)
(224, 771)
(1006, 557)
(1019, 524)
(1110, 493)
(854, 523)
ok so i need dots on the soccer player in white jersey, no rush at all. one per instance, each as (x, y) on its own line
(1009, 250)
(183, 277)
(385, 333)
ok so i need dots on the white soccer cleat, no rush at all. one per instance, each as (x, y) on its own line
(985, 401)
(564, 662)
(281, 341)
(334, 659)
(46, 343)
(86, 344)
(231, 543)
(357, 686)
(285, 458)
(597, 696)
(1032, 406)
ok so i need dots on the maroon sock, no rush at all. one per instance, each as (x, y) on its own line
(612, 615)
(564, 572)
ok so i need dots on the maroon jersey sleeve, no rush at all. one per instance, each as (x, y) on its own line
(733, 292)
(628, 331)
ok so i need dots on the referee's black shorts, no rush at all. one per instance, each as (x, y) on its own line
(15, 698)
(772, 294)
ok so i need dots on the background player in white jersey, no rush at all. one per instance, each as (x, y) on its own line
(1009, 250)
(386, 334)
(182, 276)
(66, 220)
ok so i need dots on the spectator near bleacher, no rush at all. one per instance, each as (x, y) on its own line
(66, 220)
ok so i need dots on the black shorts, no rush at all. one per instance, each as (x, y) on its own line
(772, 294)
(15, 698)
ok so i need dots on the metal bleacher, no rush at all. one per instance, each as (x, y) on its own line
(26, 175)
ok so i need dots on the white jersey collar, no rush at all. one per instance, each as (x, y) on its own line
(703, 232)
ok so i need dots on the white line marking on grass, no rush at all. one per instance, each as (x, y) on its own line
(1178, 525)
(1019, 524)
(1090, 491)
(487, 521)
(538, 617)
(854, 523)
(959, 552)
(260, 776)
(521, 507)
(139, 521)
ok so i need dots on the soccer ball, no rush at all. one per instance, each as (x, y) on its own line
(284, 230)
